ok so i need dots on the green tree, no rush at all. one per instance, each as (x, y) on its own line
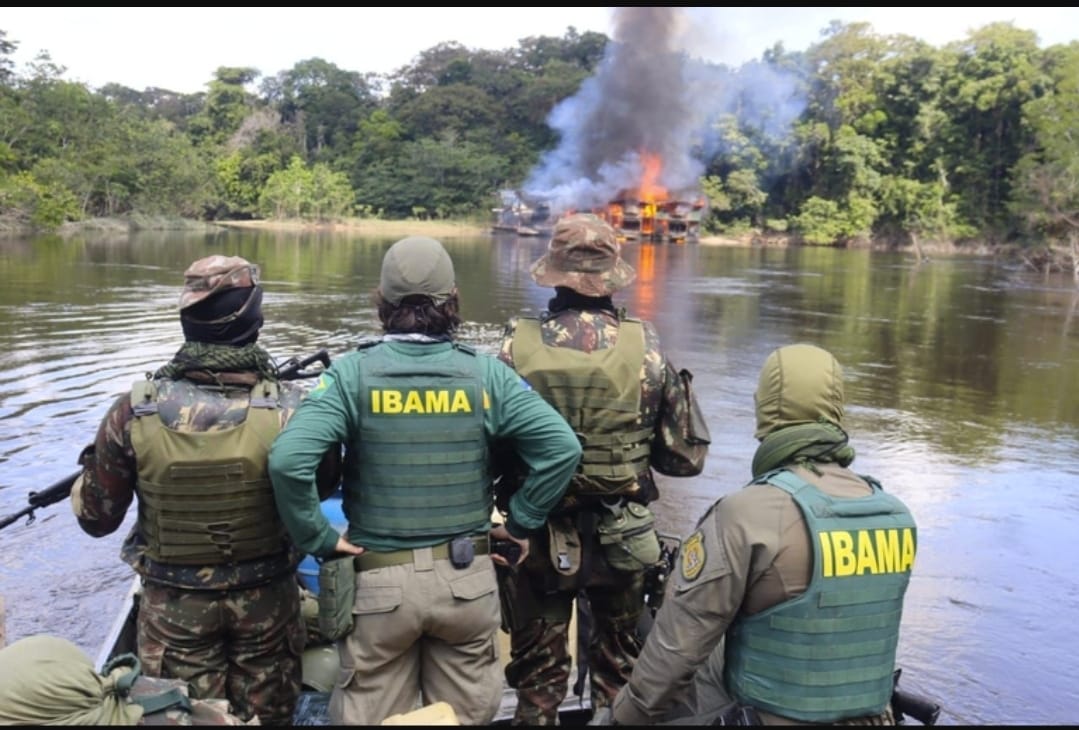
(1046, 193)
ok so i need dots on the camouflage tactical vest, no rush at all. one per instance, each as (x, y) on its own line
(205, 496)
(599, 395)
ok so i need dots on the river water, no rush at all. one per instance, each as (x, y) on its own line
(961, 382)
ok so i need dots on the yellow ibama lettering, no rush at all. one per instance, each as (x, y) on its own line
(391, 401)
(413, 404)
(460, 402)
(908, 549)
(876, 551)
(867, 560)
(438, 401)
(888, 550)
(420, 401)
(826, 555)
(843, 547)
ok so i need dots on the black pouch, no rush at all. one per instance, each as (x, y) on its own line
(462, 552)
(698, 427)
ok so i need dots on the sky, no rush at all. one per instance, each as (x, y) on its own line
(180, 48)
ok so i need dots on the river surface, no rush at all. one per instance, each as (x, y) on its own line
(961, 381)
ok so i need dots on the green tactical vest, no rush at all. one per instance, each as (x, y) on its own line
(205, 497)
(419, 470)
(599, 395)
(829, 654)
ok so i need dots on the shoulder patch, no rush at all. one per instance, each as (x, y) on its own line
(324, 381)
(693, 556)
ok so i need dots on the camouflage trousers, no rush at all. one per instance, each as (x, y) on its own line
(243, 645)
(537, 616)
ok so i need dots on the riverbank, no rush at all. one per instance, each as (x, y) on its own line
(369, 227)
(442, 229)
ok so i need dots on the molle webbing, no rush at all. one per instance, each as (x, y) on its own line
(421, 454)
(205, 497)
(829, 653)
(599, 395)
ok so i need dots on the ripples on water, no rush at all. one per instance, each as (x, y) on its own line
(959, 383)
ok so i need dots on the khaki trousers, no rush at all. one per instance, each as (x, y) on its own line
(424, 632)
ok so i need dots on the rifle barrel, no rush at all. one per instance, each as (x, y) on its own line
(50, 495)
(60, 490)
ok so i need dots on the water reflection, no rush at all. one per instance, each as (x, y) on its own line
(960, 382)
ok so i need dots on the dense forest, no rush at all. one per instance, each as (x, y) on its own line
(861, 137)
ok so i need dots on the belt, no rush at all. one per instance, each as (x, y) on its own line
(372, 560)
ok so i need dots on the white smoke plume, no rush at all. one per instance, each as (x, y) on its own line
(650, 96)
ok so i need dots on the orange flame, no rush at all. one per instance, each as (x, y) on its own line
(650, 191)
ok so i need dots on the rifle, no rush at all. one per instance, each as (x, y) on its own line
(51, 495)
(291, 369)
(905, 704)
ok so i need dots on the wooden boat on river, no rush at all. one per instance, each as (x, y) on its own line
(320, 659)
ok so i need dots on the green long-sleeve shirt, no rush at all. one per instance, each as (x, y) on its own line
(513, 414)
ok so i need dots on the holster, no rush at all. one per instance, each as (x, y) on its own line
(336, 596)
(564, 545)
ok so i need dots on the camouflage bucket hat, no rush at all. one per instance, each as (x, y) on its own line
(417, 265)
(584, 255)
(214, 274)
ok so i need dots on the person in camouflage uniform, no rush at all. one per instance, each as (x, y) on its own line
(220, 601)
(634, 413)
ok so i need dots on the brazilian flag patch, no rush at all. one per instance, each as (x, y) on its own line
(324, 381)
(693, 556)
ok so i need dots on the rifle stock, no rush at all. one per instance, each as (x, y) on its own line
(905, 704)
(292, 369)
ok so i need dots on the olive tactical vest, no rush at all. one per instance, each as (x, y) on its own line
(599, 395)
(829, 653)
(205, 497)
(420, 455)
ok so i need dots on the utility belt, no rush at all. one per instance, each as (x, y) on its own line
(624, 530)
(459, 551)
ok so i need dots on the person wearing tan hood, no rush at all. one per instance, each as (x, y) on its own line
(802, 574)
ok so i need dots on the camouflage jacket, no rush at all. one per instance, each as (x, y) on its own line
(668, 405)
(107, 485)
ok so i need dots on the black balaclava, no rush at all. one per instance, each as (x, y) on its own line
(232, 317)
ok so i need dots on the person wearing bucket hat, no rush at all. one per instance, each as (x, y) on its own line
(418, 414)
(785, 607)
(191, 441)
(636, 414)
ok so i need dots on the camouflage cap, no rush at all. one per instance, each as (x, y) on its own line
(214, 274)
(798, 384)
(584, 255)
(417, 265)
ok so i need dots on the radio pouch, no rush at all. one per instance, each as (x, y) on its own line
(628, 537)
(336, 596)
(565, 545)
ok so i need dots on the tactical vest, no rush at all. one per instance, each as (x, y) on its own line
(205, 497)
(420, 465)
(829, 654)
(599, 395)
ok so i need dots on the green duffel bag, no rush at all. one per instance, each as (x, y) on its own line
(628, 537)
